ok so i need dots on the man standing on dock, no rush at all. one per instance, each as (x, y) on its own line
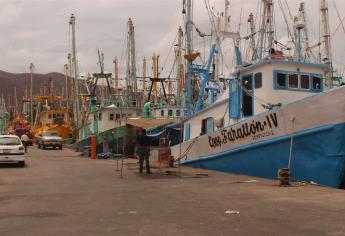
(143, 151)
(25, 140)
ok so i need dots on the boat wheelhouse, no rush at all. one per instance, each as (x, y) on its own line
(256, 88)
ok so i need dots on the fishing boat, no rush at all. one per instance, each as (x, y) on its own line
(104, 114)
(277, 111)
(51, 115)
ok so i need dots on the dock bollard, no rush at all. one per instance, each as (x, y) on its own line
(284, 177)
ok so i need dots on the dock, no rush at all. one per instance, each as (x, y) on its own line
(63, 193)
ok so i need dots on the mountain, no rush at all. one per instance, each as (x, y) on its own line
(43, 84)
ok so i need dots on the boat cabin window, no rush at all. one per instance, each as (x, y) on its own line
(281, 80)
(305, 83)
(298, 81)
(293, 81)
(178, 112)
(162, 113)
(49, 116)
(187, 132)
(170, 112)
(118, 116)
(207, 126)
(100, 116)
(316, 83)
(111, 116)
(258, 80)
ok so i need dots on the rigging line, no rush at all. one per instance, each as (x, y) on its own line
(258, 23)
(166, 59)
(291, 17)
(341, 22)
(172, 68)
(286, 21)
(338, 26)
(123, 51)
(261, 101)
(215, 29)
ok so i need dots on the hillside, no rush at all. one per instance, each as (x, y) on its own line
(48, 84)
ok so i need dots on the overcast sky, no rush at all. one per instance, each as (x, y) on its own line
(37, 30)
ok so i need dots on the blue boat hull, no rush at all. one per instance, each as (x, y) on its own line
(317, 155)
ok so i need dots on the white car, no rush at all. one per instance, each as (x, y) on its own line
(49, 139)
(12, 150)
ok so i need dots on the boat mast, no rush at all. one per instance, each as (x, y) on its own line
(31, 67)
(269, 21)
(66, 85)
(144, 78)
(178, 65)
(75, 70)
(116, 74)
(226, 15)
(155, 76)
(131, 82)
(327, 59)
(189, 47)
(15, 102)
(302, 16)
(262, 30)
(252, 37)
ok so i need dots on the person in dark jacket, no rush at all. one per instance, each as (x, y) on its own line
(143, 151)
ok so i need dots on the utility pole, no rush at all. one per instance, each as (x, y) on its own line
(75, 70)
(31, 97)
(327, 59)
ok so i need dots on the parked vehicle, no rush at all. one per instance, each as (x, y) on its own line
(12, 150)
(49, 139)
(20, 131)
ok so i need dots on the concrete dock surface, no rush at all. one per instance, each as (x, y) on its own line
(62, 193)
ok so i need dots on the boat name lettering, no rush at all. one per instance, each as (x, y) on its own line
(256, 129)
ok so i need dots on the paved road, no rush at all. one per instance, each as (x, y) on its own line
(61, 193)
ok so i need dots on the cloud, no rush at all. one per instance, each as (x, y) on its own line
(9, 13)
(37, 31)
